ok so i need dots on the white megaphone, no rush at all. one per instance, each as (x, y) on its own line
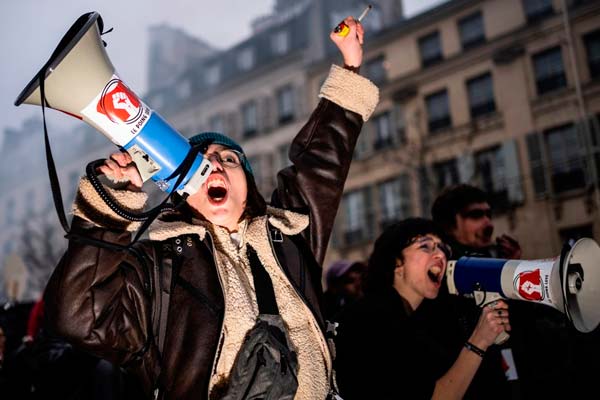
(569, 283)
(80, 80)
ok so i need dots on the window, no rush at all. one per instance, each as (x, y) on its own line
(285, 104)
(383, 131)
(438, 111)
(430, 47)
(375, 70)
(213, 75)
(471, 30)
(592, 48)
(556, 160)
(357, 217)
(245, 59)
(400, 123)
(446, 174)
(216, 124)
(537, 9)
(184, 88)
(249, 119)
(394, 200)
(566, 164)
(280, 42)
(491, 174)
(549, 70)
(481, 95)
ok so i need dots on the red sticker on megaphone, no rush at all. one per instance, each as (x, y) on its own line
(529, 285)
(119, 103)
(117, 112)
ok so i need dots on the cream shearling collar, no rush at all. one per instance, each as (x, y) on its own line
(288, 222)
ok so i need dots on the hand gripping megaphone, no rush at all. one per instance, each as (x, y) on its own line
(80, 80)
(569, 283)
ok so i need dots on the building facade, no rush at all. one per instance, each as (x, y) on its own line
(503, 94)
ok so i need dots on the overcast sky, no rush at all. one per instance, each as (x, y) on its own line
(31, 29)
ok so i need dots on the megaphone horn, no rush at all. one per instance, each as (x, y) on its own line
(80, 80)
(570, 284)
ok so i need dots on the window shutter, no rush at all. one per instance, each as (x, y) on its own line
(537, 163)
(267, 120)
(426, 187)
(510, 154)
(398, 125)
(466, 167)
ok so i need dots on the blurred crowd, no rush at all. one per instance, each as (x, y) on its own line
(35, 364)
(544, 357)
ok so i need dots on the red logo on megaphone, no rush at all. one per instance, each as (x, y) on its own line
(119, 103)
(529, 285)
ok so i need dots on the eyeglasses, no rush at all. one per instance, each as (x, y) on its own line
(429, 245)
(228, 158)
(477, 213)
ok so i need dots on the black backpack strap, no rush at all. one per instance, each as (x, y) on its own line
(263, 286)
(163, 278)
(163, 273)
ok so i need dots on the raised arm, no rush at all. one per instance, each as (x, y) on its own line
(322, 151)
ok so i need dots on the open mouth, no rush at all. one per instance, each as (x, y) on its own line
(435, 274)
(216, 190)
(487, 232)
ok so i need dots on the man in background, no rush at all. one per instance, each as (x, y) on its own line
(465, 214)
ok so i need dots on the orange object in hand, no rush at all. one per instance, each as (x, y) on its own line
(342, 29)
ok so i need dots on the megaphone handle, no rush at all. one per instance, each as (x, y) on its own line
(489, 299)
(502, 337)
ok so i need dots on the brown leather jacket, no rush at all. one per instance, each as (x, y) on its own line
(105, 301)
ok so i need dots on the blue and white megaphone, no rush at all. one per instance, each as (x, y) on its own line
(569, 283)
(80, 80)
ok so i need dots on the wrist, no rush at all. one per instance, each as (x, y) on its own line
(475, 349)
(352, 68)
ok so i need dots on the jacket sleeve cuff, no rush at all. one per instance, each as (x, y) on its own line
(89, 206)
(350, 91)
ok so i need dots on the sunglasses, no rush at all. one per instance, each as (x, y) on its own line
(477, 213)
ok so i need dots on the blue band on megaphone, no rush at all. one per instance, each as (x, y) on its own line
(475, 273)
(167, 148)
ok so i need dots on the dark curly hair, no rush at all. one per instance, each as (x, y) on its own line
(388, 248)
